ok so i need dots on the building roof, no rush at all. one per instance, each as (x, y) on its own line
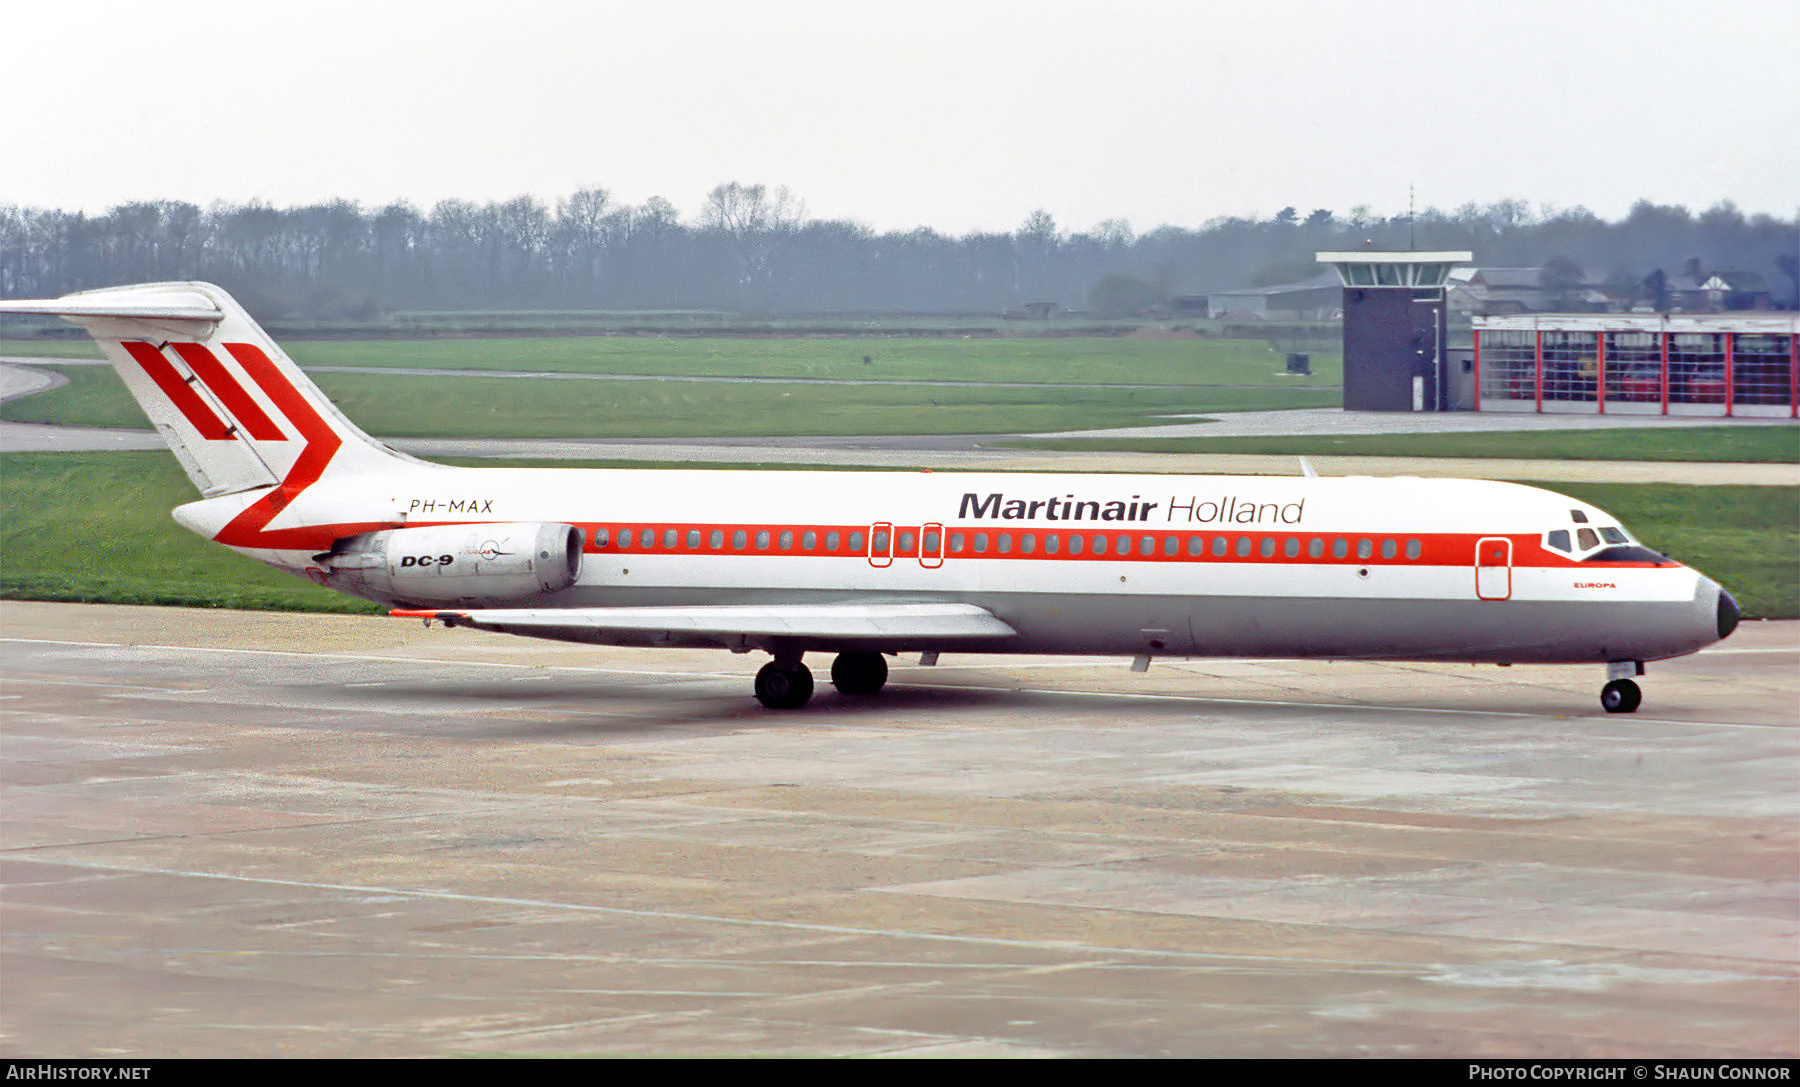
(1509, 278)
(1327, 279)
(1777, 323)
(1742, 281)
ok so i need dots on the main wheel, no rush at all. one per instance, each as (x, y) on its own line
(784, 686)
(858, 673)
(1620, 696)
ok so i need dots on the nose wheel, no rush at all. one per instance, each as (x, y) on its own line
(1620, 696)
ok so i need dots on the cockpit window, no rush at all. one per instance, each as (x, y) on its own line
(1603, 543)
(1578, 517)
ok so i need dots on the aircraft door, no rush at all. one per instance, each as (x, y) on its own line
(881, 544)
(931, 546)
(1493, 568)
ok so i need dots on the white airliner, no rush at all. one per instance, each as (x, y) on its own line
(862, 565)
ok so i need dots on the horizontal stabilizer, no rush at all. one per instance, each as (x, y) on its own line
(234, 409)
(734, 625)
(136, 304)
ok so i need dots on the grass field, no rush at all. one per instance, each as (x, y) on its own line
(1049, 360)
(95, 527)
(1218, 375)
(1759, 444)
(481, 407)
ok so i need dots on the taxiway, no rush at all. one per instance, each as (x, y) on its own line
(241, 834)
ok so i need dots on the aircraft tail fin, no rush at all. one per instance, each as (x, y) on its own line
(234, 409)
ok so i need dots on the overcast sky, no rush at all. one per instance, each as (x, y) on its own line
(959, 116)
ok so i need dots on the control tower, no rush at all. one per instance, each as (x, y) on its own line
(1395, 327)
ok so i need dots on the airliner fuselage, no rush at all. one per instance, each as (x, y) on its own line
(1422, 569)
(863, 564)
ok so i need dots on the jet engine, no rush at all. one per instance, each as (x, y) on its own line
(458, 564)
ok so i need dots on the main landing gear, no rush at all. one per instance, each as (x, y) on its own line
(786, 684)
(1622, 695)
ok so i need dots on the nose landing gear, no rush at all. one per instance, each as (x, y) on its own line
(1621, 694)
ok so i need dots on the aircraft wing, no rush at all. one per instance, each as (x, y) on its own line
(739, 626)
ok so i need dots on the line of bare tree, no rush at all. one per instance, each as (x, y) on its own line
(753, 249)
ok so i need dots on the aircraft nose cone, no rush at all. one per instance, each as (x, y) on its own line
(1728, 613)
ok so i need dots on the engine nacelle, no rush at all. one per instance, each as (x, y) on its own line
(459, 564)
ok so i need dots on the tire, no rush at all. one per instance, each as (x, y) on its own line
(784, 686)
(1621, 696)
(859, 674)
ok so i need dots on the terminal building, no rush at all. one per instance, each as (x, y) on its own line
(1397, 356)
(1718, 364)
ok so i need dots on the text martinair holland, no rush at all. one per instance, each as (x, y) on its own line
(1228, 509)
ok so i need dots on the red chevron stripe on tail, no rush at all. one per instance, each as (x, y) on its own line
(179, 392)
(243, 408)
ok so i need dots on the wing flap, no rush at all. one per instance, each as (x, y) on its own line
(734, 625)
